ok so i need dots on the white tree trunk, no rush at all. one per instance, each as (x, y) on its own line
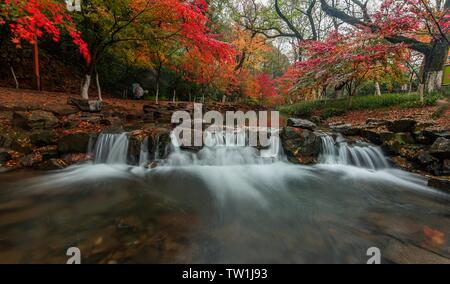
(377, 89)
(433, 81)
(85, 87)
(15, 78)
(99, 89)
(174, 95)
(224, 99)
(421, 91)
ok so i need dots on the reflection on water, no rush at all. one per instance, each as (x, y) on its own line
(248, 213)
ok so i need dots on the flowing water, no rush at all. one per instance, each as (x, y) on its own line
(225, 204)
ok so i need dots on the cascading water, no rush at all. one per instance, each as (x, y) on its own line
(144, 156)
(227, 148)
(111, 148)
(224, 204)
(339, 152)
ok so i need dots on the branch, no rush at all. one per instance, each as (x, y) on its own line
(286, 20)
(412, 43)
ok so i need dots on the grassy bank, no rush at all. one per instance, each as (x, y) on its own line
(330, 108)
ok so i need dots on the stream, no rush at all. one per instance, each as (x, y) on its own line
(228, 203)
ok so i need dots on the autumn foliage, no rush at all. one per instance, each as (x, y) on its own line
(33, 19)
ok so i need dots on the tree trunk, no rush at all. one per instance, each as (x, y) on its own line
(433, 66)
(85, 87)
(421, 89)
(224, 98)
(174, 95)
(377, 89)
(99, 89)
(37, 76)
(15, 78)
(86, 82)
(157, 92)
(158, 76)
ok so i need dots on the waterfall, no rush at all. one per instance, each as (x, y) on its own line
(223, 147)
(360, 154)
(144, 153)
(111, 149)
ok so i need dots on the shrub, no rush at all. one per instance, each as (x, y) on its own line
(329, 108)
(330, 112)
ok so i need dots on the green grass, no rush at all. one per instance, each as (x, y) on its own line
(329, 108)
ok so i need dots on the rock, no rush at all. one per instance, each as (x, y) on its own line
(63, 110)
(392, 142)
(4, 156)
(435, 133)
(52, 164)
(74, 143)
(5, 140)
(42, 138)
(445, 170)
(86, 105)
(410, 152)
(134, 149)
(113, 130)
(425, 159)
(402, 125)
(422, 139)
(163, 141)
(441, 148)
(374, 122)
(48, 152)
(74, 158)
(301, 123)
(376, 135)
(36, 119)
(29, 160)
(300, 143)
(346, 129)
(21, 146)
(440, 183)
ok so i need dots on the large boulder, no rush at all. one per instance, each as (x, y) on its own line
(36, 119)
(392, 142)
(74, 143)
(346, 129)
(301, 144)
(42, 138)
(441, 148)
(301, 123)
(86, 105)
(402, 125)
(376, 135)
